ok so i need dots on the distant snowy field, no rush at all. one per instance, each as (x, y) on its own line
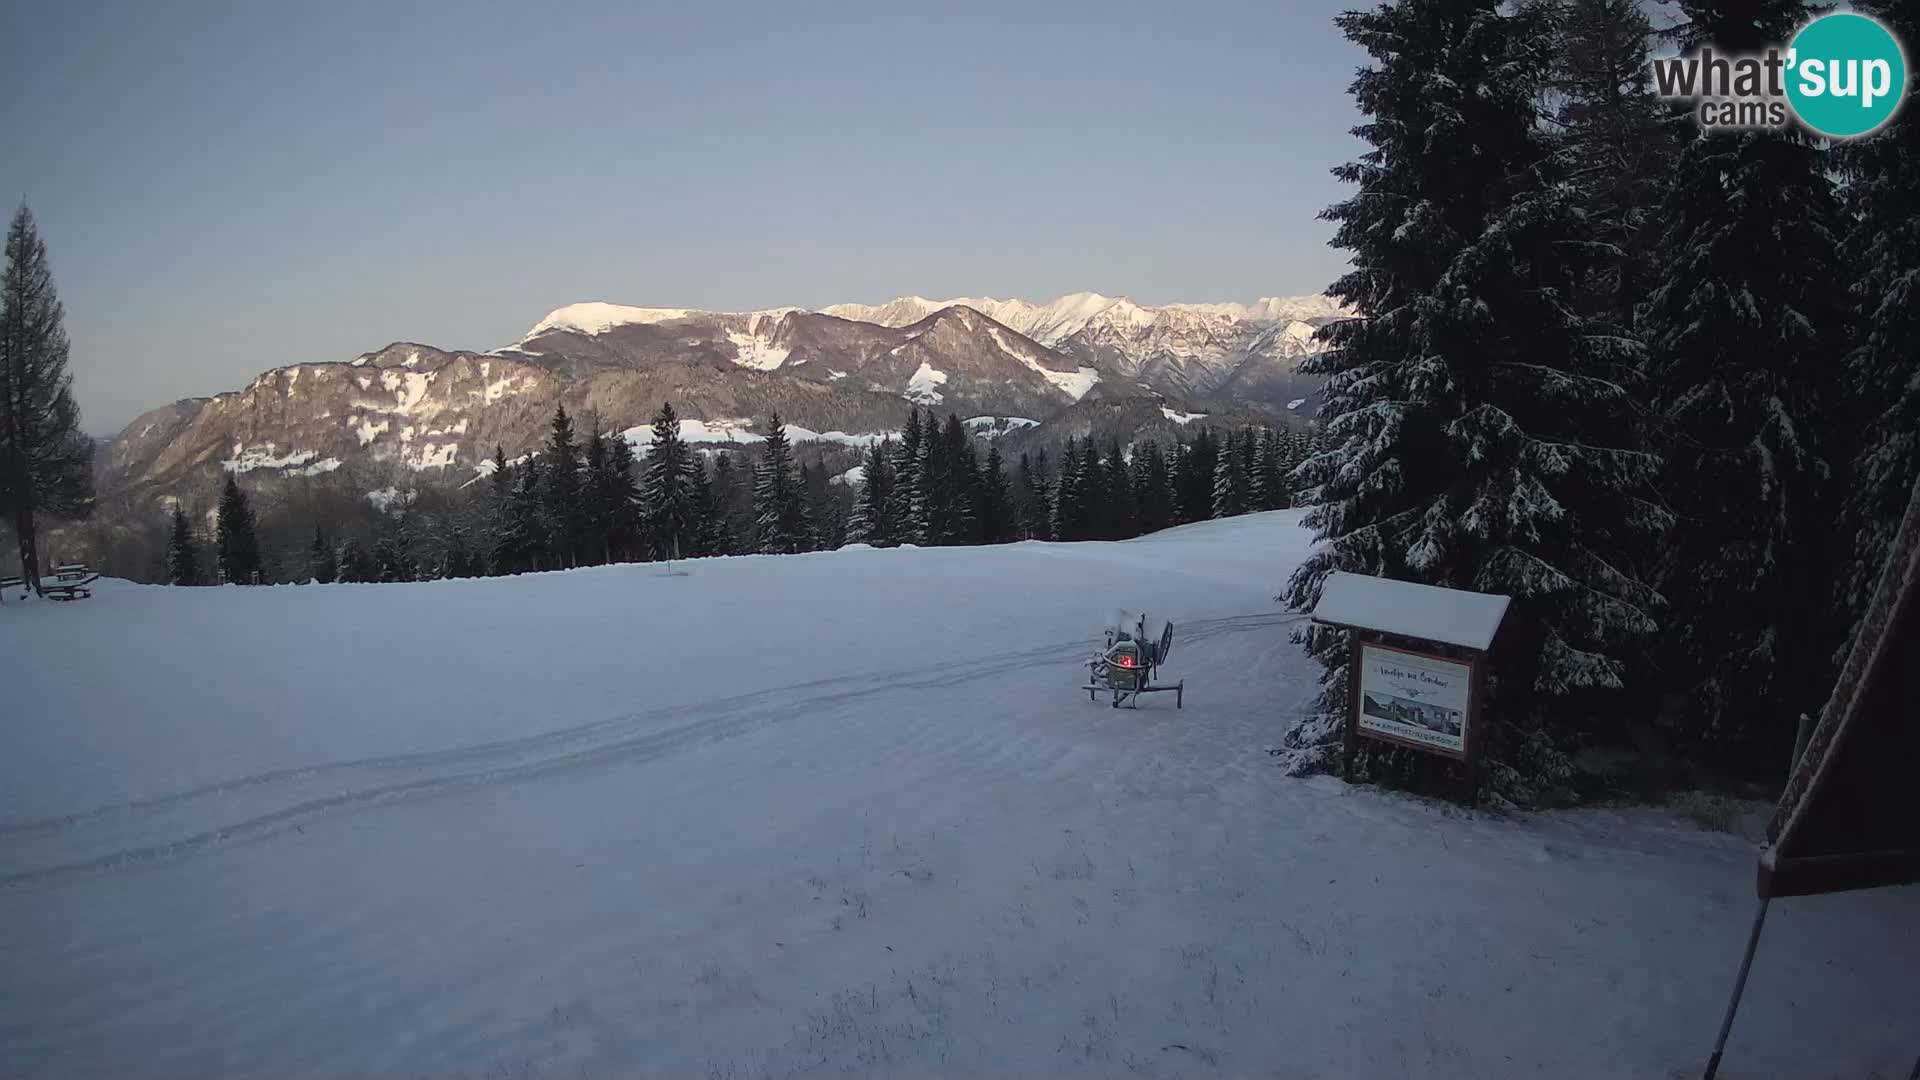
(834, 814)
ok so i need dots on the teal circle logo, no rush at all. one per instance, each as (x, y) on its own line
(1846, 75)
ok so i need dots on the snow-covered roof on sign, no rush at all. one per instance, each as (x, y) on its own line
(1452, 616)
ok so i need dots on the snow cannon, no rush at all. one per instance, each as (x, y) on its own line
(1125, 665)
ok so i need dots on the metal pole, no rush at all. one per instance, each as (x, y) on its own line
(1739, 986)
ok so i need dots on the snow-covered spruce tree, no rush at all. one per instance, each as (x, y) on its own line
(779, 516)
(1745, 327)
(1152, 497)
(1040, 519)
(993, 502)
(500, 545)
(234, 537)
(1269, 470)
(909, 483)
(700, 533)
(46, 460)
(183, 555)
(559, 471)
(1068, 509)
(873, 510)
(1882, 374)
(1477, 424)
(320, 562)
(1232, 478)
(666, 488)
(1618, 141)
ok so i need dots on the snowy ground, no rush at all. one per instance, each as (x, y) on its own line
(836, 814)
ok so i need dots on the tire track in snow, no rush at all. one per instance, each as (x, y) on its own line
(606, 742)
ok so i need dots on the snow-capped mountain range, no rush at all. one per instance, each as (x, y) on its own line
(414, 412)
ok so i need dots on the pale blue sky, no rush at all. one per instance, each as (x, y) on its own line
(228, 187)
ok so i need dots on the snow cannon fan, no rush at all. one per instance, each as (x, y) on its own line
(1127, 661)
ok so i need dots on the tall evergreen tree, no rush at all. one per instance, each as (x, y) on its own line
(779, 514)
(909, 485)
(1743, 325)
(1029, 517)
(596, 499)
(817, 499)
(873, 521)
(1477, 417)
(531, 528)
(623, 496)
(1232, 479)
(1882, 394)
(702, 531)
(356, 562)
(1618, 142)
(320, 562)
(502, 545)
(732, 508)
(183, 555)
(1121, 517)
(1193, 495)
(46, 461)
(1069, 505)
(235, 539)
(1095, 516)
(993, 502)
(1152, 495)
(666, 490)
(559, 471)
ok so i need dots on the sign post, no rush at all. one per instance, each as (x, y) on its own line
(1416, 662)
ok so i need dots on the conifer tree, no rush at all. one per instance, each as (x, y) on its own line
(909, 484)
(1882, 374)
(530, 528)
(1618, 141)
(1478, 420)
(1231, 477)
(818, 502)
(993, 502)
(235, 540)
(873, 517)
(596, 500)
(1121, 518)
(502, 544)
(1743, 325)
(963, 467)
(1198, 462)
(1030, 522)
(1069, 507)
(46, 460)
(559, 471)
(779, 516)
(623, 496)
(732, 512)
(1152, 497)
(701, 532)
(666, 489)
(357, 563)
(183, 555)
(320, 562)
(1094, 514)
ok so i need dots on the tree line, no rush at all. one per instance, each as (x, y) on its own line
(1656, 381)
(589, 500)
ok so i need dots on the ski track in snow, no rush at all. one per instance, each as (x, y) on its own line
(915, 849)
(205, 814)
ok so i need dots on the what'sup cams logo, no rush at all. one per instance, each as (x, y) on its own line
(1843, 75)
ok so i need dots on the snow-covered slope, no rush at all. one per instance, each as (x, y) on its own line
(835, 814)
